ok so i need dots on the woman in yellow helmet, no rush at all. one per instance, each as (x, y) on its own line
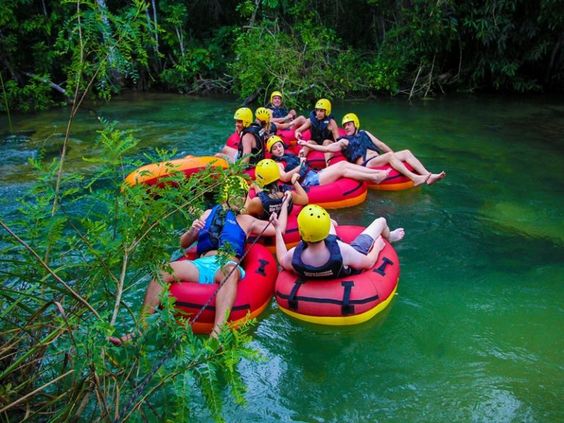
(321, 255)
(363, 148)
(323, 127)
(271, 194)
(291, 165)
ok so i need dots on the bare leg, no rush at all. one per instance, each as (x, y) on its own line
(380, 227)
(225, 297)
(407, 156)
(392, 160)
(328, 156)
(349, 170)
(181, 270)
(304, 150)
(296, 123)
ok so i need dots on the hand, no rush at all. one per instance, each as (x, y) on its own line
(274, 220)
(302, 160)
(302, 142)
(298, 135)
(295, 178)
(287, 196)
(197, 225)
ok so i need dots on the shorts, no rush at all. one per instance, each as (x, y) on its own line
(311, 179)
(209, 265)
(362, 243)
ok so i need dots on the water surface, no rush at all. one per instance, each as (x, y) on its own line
(476, 331)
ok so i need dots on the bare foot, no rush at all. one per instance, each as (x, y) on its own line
(214, 333)
(434, 177)
(420, 179)
(397, 235)
(118, 342)
(381, 176)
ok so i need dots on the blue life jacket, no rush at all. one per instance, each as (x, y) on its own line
(331, 270)
(359, 144)
(273, 205)
(221, 228)
(277, 112)
(319, 128)
(291, 161)
(257, 153)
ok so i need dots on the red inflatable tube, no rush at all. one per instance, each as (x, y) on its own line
(346, 301)
(253, 292)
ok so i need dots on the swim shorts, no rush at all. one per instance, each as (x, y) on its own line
(311, 179)
(362, 243)
(208, 267)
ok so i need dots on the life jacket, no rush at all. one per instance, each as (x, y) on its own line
(221, 228)
(257, 152)
(291, 161)
(273, 205)
(330, 270)
(319, 128)
(359, 144)
(277, 112)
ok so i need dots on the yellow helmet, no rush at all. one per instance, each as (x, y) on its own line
(263, 114)
(235, 185)
(351, 117)
(324, 104)
(273, 140)
(314, 223)
(274, 94)
(266, 172)
(244, 114)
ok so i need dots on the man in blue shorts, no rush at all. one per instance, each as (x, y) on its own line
(220, 227)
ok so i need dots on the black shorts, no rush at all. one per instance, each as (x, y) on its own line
(362, 243)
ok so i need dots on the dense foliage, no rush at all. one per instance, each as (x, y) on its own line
(69, 278)
(310, 48)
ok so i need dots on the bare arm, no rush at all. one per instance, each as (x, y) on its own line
(331, 148)
(247, 143)
(380, 144)
(283, 256)
(334, 129)
(287, 176)
(299, 196)
(302, 128)
(190, 236)
(262, 226)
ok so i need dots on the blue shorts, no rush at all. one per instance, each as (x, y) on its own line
(311, 179)
(208, 267)
(362, 243)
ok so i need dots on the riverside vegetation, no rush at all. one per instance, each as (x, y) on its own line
(333, 49)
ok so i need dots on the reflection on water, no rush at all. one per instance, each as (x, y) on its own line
(475, 332)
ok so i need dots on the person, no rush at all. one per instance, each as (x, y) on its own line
(223, 226)
(291, 165)
(324, 130)
(263, 117)
(363, 148)
(270, 195)
(280, 113)
(251, 146)
(321, 255)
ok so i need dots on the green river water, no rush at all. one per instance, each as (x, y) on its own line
(476, 331)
